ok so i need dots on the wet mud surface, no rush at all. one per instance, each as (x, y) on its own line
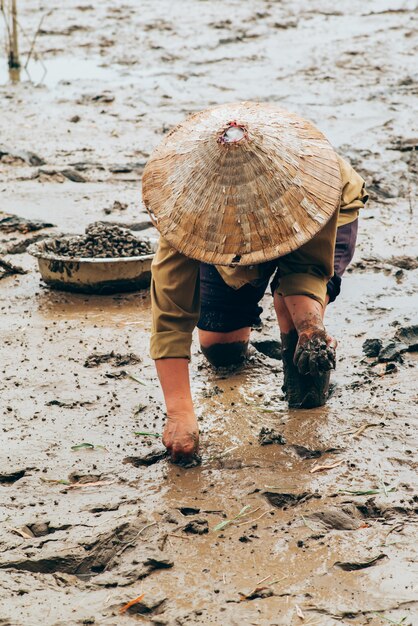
(94, 518)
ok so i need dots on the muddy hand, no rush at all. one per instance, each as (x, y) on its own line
(315, 352)
(181, 437)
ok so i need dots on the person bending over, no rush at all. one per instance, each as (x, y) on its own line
(245, 196)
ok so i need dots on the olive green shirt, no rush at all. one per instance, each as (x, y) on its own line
(175, 288)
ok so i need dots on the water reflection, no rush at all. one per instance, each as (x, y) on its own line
(14, 74)
(53, 71)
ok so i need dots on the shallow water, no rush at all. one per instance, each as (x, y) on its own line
(51, 72)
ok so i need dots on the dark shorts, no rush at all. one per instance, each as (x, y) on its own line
(224, 309)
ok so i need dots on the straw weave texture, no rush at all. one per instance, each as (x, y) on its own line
(243, 202)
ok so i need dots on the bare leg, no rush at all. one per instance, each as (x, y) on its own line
(224, 349)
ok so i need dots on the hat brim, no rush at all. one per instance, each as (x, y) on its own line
(245, 202)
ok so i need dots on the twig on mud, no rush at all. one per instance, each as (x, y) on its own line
(390, 621)
(38, 30)
(323, 468)
(139, 408)
(250, 521)
(257, 589)
(22, 533)
(137, 380)
(278, 580)
(87, 446)
(55, 481)
(306, 524)
(7, 26)
(263, 580)
(128, 544)
(178, 536)
(244, 511)
(96, 483)
(382, 482)
(395, 529)
(128, 605)
(299, 612)
(366, 492)
(358, 431)
(217, 457)
(145, 434)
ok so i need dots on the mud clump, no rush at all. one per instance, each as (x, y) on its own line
(258, 594)
(23, 245)
(405, 340)
(114, 358)
(384, 351)
(12, 156)
(13, 223)
(336, 519)
(267, 436)
(102, 241)
(148, 459)
(286, 500)
(392, 351)
(188, 462)
(307, 453)
(270, 347)
(408, 335)
(8, 269)
(315, 357)
(405, 262)
(372, 347)
(40, 529)
(197, 527)
(150, 604)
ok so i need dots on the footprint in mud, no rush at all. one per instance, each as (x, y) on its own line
(93, 557)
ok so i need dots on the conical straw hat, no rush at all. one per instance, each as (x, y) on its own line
(242, 183)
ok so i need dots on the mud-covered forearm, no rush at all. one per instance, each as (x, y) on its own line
(306, 313)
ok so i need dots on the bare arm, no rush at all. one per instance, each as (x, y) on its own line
(174, 379)
(181, 433)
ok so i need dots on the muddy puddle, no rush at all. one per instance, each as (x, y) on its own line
(318, 527)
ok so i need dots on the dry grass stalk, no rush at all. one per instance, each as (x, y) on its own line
(323, 468)
(9, 13)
